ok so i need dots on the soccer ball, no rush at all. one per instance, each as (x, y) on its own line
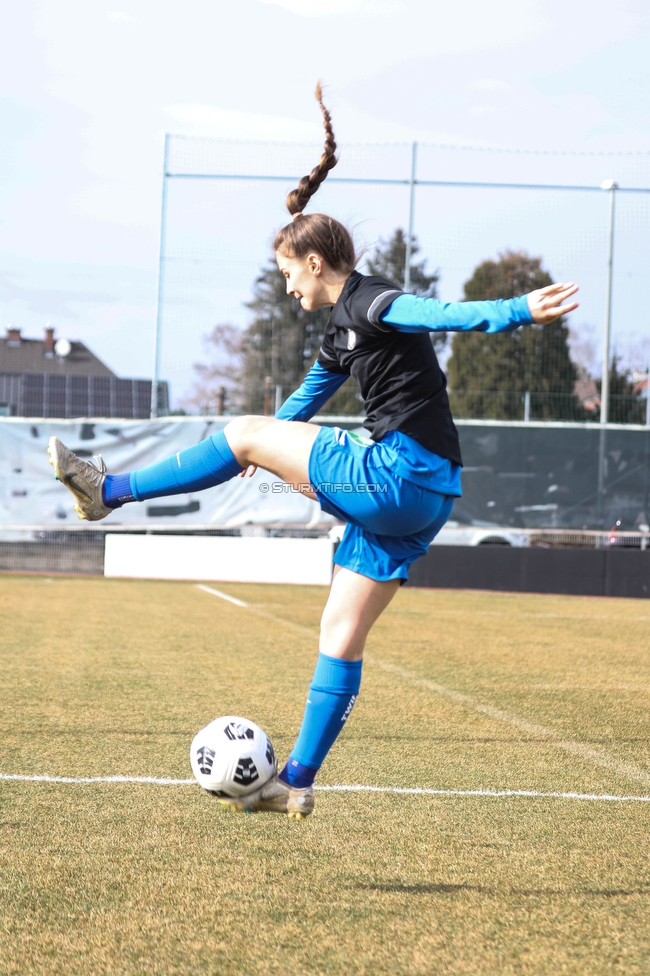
(232, 756)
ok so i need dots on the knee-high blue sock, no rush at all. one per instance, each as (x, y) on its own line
(332, 693)
(209, 463)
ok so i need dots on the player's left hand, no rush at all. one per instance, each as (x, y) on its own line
(248, 472)
(545, 304)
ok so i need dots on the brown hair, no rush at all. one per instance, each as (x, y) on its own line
(316, 232)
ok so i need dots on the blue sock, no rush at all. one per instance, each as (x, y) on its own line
(209, 463)
(332, 693)
(116, 490)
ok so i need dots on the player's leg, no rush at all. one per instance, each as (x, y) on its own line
(280, 446)
(354, 604)
(370, 569)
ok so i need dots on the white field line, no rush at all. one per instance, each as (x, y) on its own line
(402, 790)
(260, 613)
(567, 745)
(149, 780)
(224, 596)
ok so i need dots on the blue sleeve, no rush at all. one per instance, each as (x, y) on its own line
(408, 313)
(317, 387)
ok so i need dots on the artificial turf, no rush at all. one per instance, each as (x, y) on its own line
(462, 691)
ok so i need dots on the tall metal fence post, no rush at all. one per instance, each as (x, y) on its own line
(412, 181)
(153, 413)
(602, 461)
(612, 187)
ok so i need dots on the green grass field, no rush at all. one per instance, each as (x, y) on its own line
(462, 691)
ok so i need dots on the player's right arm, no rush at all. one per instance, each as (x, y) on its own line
(315, 390)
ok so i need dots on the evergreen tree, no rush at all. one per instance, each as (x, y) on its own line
(281, 342)
(276, 349)
(490, 374)
(626, 404)
(389, 261)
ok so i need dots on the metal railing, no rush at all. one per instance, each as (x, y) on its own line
(530, 406)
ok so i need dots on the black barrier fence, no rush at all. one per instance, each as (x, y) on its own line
(581, 572)
(545, 475)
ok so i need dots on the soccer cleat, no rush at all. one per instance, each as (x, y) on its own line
(83, 478)
(276, 796)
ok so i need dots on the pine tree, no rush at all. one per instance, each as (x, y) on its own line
(490, 374)
(276, 349)
(389, 261)
(281, 342)
(626, 404)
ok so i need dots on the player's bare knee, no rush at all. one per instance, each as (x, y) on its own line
(242, 434)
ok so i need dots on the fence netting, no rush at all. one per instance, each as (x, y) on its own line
(221, 217)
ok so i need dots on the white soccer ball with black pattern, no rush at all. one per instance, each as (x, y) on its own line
(232, 756)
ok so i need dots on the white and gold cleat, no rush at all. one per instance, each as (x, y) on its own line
(83, 478)
(276, 796)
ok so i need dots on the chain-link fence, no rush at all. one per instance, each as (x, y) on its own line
(223, 200)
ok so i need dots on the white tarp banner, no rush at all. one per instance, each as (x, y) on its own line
(29, 494)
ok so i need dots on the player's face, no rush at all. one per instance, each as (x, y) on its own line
(305, 280)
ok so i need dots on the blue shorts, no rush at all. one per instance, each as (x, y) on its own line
(390, 521)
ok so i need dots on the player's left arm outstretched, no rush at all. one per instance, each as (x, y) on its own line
(409, 313)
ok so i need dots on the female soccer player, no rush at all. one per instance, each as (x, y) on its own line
(394, 490)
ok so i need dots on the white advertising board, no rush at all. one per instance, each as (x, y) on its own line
(223, 558)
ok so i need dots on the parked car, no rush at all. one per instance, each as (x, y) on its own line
(463, 530)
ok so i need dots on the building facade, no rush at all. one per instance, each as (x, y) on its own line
(46, 378)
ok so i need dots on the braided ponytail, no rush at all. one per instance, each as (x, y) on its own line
(316, 232)
(298, 199)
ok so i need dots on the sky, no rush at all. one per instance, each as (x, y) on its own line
(88, 91)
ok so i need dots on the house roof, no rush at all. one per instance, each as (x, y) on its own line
(19, 355)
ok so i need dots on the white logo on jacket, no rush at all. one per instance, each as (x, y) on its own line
(352, 339)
